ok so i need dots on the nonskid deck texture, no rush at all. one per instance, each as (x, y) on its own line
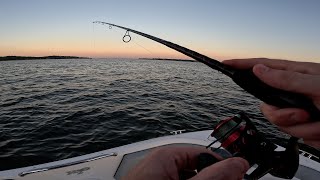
(114, 163)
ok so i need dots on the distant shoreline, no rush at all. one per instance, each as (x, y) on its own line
(18, 58)
(21, 58)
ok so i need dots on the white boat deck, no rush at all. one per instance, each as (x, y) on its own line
(111, 164)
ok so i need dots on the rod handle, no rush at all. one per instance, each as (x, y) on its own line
(273, 96)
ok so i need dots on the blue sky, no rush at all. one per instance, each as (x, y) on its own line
(286, 29)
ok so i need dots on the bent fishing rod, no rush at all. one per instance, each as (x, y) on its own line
(244, 78)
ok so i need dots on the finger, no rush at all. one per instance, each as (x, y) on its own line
(284, 117)
(313, 143)
(166, 162)
(308, 131)
(287, 80)
(249, 63)
(229, 169)
(185, 157)
(302, 67)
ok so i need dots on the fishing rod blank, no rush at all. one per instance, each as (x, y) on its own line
(244, 78)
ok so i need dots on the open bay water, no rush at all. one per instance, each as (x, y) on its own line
(56, 109)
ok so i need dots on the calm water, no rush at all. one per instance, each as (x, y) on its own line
(56, 109)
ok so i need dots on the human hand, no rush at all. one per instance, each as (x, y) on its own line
(168, 162)
(299, 77)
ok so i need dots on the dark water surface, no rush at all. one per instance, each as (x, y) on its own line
(56, 109)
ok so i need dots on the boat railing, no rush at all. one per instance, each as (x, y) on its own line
(176, 132)
(309, 155)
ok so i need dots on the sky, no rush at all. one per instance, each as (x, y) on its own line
(282, 29)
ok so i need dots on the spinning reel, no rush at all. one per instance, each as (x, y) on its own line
(240, 137)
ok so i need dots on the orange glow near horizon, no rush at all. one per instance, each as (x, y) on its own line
(139, 48)
(115, 52)
(102, 52)
(107, 45)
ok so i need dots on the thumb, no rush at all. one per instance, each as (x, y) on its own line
(229, 169)
(287, 80)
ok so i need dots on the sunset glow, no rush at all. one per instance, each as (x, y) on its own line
(221, 30)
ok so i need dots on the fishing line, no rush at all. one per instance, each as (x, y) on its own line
(93, 37)
(143, 47)
(127, 35)
(127, 38)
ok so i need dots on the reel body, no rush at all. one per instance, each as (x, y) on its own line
(240, 137)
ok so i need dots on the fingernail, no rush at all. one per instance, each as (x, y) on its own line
(261, 69)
